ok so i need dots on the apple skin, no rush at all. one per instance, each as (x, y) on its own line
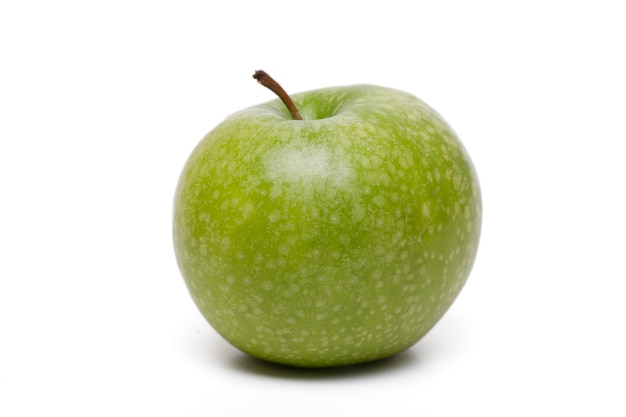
(334, 240)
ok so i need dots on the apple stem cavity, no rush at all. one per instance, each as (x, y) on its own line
(265, 80)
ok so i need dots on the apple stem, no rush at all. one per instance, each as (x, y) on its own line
(265, 80)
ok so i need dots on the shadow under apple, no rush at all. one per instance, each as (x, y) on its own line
(248, 364)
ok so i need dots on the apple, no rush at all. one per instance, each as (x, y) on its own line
(333, 240)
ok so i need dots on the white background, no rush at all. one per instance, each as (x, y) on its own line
(102, 102)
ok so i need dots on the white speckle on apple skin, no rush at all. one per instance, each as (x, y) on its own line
(335, 243)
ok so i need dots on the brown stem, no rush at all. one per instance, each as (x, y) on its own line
(265, 80)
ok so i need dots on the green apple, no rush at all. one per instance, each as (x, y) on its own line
(338, 239)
